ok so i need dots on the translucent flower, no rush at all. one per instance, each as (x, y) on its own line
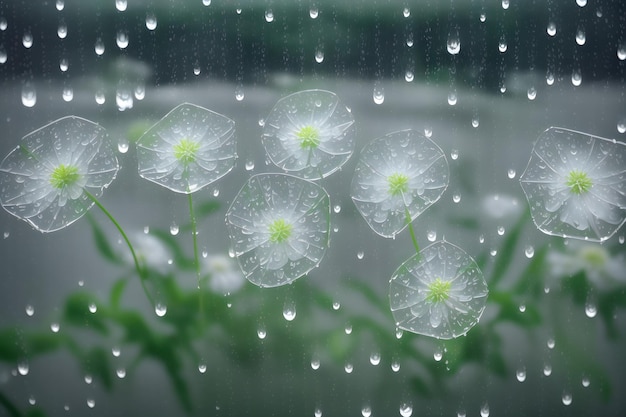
(309, 134)
(187, 149)
(52, 177)
(439, 292)
(398, 173)
(225, 276)
(279, 227)
(575, 184)
(153, 253)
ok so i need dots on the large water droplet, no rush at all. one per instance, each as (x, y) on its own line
(29, 95)
(406, 409)
(566, 398)
(68, 94)
(160, 309)
(27, 40)
(121, 5)
(151, 21)
(580, 37)
(375, 358)
(269, 16)
(551, 29)
(319, 56)
(454, 43)
(23, 368)
(62, 31)
(313, 12)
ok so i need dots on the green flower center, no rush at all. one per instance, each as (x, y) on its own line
(578, 181)
(438, 291)
(185, 151)
(398, 183)
(309, 137)
(279, 230)
(64, 176)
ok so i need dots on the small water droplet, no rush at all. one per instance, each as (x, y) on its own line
(348, 368)
(502, 45)
(501, 230)
(122, 40)
(531, 93)
(590, 309)
(32, 400)
(99, 47)
(115, 351)
(484, 410)
(23, 368)
(239, 94)
(520, 374)
(566, 398)
(581, 3)
(505, 4)
(68, 94)
(202, 367)
(378, 94)
(315, 363)
(160, 309)
(318, 412)
(456, 198)
(151, 21)
(360, 254)
(621, 126)
(375, 358)
(551, 29)
(27, 40)
(348, 328)
(621, 240)
(336, 305)
(29, 95)
(337, 208)
(406, 409)
(586, 382)
(313, 12)
(55, 327)
(93, 308)
(475, 122)
(206, 2)
(249, 165)
(91, 403)
(550, 343)
(483, 17)
(452, 98)
(174, 229)
(431, 235)
(64, 64)
(269, 16)
(580, 37)
(366, 411)
(406, 12)
(121, 5)
(522, 308)
(62, 31)
(621, 52)
(121, 373)
(438, 354)
(30, 310)
(216, 192)
(454, 43)
(289, 310)
(261, 332)
(99, 97)
(395, 366)
(547, 369)
(319, 56)
(60, 5)
(577, 78)
(493, 252)
(549, 78)
(529, 251)
(454, 154)
(408, 76)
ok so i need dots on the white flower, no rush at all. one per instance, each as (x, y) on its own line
(225, 276)
(439, 292)
(309, 134)
(604, 270)
(46, 178)
(278, 225)
(187, 149)
(151, 251)
(575, 184)
(395, 173)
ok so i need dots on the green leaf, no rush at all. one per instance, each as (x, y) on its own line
(102, 242)
(96, 363)
(509, 310)
(420, 387)
(531, 279)
(578, 286)
(77, 313)
(16, 345)
(506, 252)
(117, 290)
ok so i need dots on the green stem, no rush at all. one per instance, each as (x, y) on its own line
(140, 270)
(411, 231)
(194, 234)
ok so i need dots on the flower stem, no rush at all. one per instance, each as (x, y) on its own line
(194, 235)
(411, 231)
(140, 270)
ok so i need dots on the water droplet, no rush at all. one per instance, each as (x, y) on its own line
(406, 409)
(160, 309)
(549, 78)
(206, 2)
(505, 4)
(452, 98)
(581, 3)
(475, 122)
(174, 229)
(122, 40)
(216, 192)
(529, 251)
(395, 366)
(93, 308)
(378, 94)
(408, 76)
(249, 165)
(269, 16)
(406, 12)
(319, 56)
(360, 254)
(55, 327)
(121, 373)
(315, 363)
(318, 412)
(520, 374)
(483, 17)
(566, 398)
(375, 358)
(531, 93)
(337, 208)
(239, 94)
(289, 310)
(550, 343)
(438, 354)
(99, 97)
(586, 382)
(547, 370)
(29, 95)
(522, 308)
(454, 43)
(454, 154)
(399, 333)
(456, 198)
(621, 239)
(577, 78)
(348, 368)
(121, 5)
(580, 37)
(202, 367)
(261, 333)
(151, 21)
(484, 410)
(313, 12)
(502, 46)
(60, 5)
(27, 40)
(493, 252)
(336, 305)
(99, 47)
(590, 309)
(32, 400)
(23, 368)
(62, 31)
(511, 173)
(621, 127)
(3, 55)
(115, 351)
(461, 413)
(551, 29)
(621, 52)
(68, 94)
(501, 230)
(64, 64)
(366, 411)
(30, 310)
(91, 403)
(431, 235)
(88, 379)
(348, 328)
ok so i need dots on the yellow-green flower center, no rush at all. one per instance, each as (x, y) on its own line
(185, 151)
(398, 183)
(578, 181)
(309, 137)
(280, 230)
(438, 291)
(64, 176)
